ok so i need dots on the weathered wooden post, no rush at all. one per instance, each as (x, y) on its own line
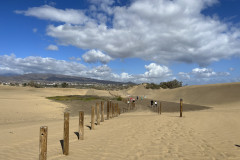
(66, 134)
(107, 110)
(112, 110)
(181, 107)
(92, 118)
(102, 111)
(116, 109)
(160, 109)
(98, 114)
(81, 125)
(43, 143)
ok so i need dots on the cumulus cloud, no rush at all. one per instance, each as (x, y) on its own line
(203, 75)
(162, 31)
(12, 64)
(50, 13)
(155, 73)
(52, 47)
(207, 72)
(93, 56)
(102, 5)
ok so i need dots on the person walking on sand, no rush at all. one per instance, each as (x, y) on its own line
(155, 103)
(151, 103)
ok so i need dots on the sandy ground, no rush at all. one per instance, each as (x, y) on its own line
(205, 134)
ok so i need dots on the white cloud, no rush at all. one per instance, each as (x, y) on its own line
(184, 76)
(50, 13)
(102, 5)
(75, 58)
(35, 30)
(156, 71)
(52, 47)
(162, 31)
(231, 69)
(93, 56)
(203, 76)
(12, 64)
(207, 73)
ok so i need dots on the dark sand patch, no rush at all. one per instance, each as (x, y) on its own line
(84, 103)
(172, 106)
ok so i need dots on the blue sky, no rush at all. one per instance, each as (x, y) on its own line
(197, 42)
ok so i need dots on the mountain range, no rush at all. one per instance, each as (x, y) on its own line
(54, 78)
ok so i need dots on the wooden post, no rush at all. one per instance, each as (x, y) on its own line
(81, 125)
(66, 134)
(160, 109)
(43, 143)
(116, 109)
(92, 118)
(102, 111)
(181, 109)
(98, 114)
(112, 110)
(107, 110)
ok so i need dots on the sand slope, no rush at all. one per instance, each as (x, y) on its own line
(211, 95)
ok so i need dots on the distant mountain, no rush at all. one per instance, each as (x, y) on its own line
(53, 78)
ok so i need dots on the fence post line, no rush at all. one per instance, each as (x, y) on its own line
(66, 134)
(107, 110)
(81, 125)
(102, 111)
(43, 143)
(93, 118)
(98, 114)
(181, 107)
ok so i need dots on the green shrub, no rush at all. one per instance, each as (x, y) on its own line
(119, 98)
(170, 84)
(64, 85)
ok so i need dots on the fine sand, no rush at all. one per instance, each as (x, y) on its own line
(209, 133)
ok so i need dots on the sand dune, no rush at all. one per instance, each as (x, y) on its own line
(211, 95)
(142, 134)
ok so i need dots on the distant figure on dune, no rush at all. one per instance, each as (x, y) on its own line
(151, 103)
(137, 97)
(155, 103)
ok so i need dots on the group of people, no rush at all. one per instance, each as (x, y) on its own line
(155, 103)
